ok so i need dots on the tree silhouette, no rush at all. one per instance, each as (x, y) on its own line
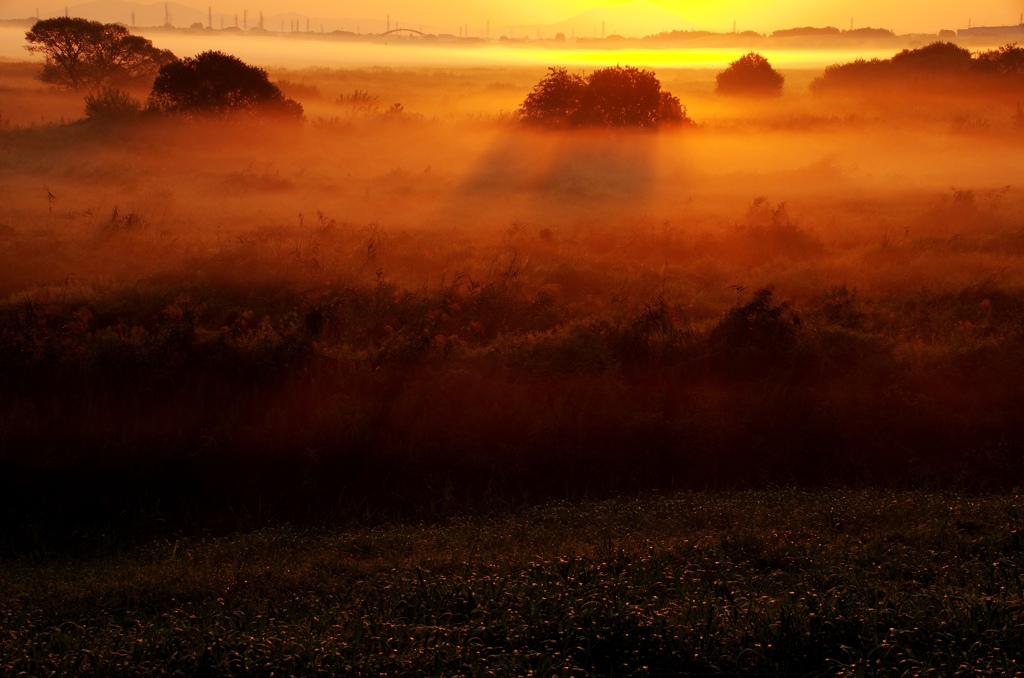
(1005, 60)
(619, 96)
(935, 66)
(214, 83)
(83, 54)
(937, 58)
(555, 100)
(750, 75)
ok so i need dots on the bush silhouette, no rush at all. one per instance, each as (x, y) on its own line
(937, 64)
(619, 96)
(83, 54)
(750, 75)
(938, 57)
(214, 83)
(757, 336)
(1006, 60)
(111, 104)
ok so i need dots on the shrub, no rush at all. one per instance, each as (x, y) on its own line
(620, 96)
(1006, 60)
(750, 75)
(111, 104)
(938, 57)
(214, 83)
(938, 63)
(754, 337)
(854, 74)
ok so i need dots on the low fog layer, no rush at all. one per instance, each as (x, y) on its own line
(295, 52)
(435, 152)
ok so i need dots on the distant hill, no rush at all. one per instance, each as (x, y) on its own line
(634, 19)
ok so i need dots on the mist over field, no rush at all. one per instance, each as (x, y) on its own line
(310, 50)
(428, 363)
(418, 188)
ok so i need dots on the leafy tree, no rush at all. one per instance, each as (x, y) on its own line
(623, 97)
(620, 96)
(750, 75)
(214, 83)
(1006, 60)
(83, 54)
(556, 100)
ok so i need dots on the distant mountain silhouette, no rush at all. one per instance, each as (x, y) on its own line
(634, 19)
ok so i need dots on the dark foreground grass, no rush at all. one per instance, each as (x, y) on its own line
(758, 583)
(172, 413)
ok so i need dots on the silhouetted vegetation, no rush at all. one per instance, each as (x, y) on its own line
(83, 54)
(940, 65)
(755, 336)
(832, 33)
(619, 96)
(111, 105)
(679, 36)
(379, 394)
(750, 75)
(806, 32)
(1007, 60)
(214, 83)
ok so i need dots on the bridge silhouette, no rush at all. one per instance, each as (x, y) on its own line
(402, 30)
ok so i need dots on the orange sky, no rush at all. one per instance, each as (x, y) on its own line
(764, 15)
(761, 15)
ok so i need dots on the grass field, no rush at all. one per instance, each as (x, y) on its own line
(410, 389)
(773, 583)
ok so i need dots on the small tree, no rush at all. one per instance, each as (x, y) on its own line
(555, 100)
(214, 83)
(750, 75)
(83, 54)
(620, 96)
(623, 97)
